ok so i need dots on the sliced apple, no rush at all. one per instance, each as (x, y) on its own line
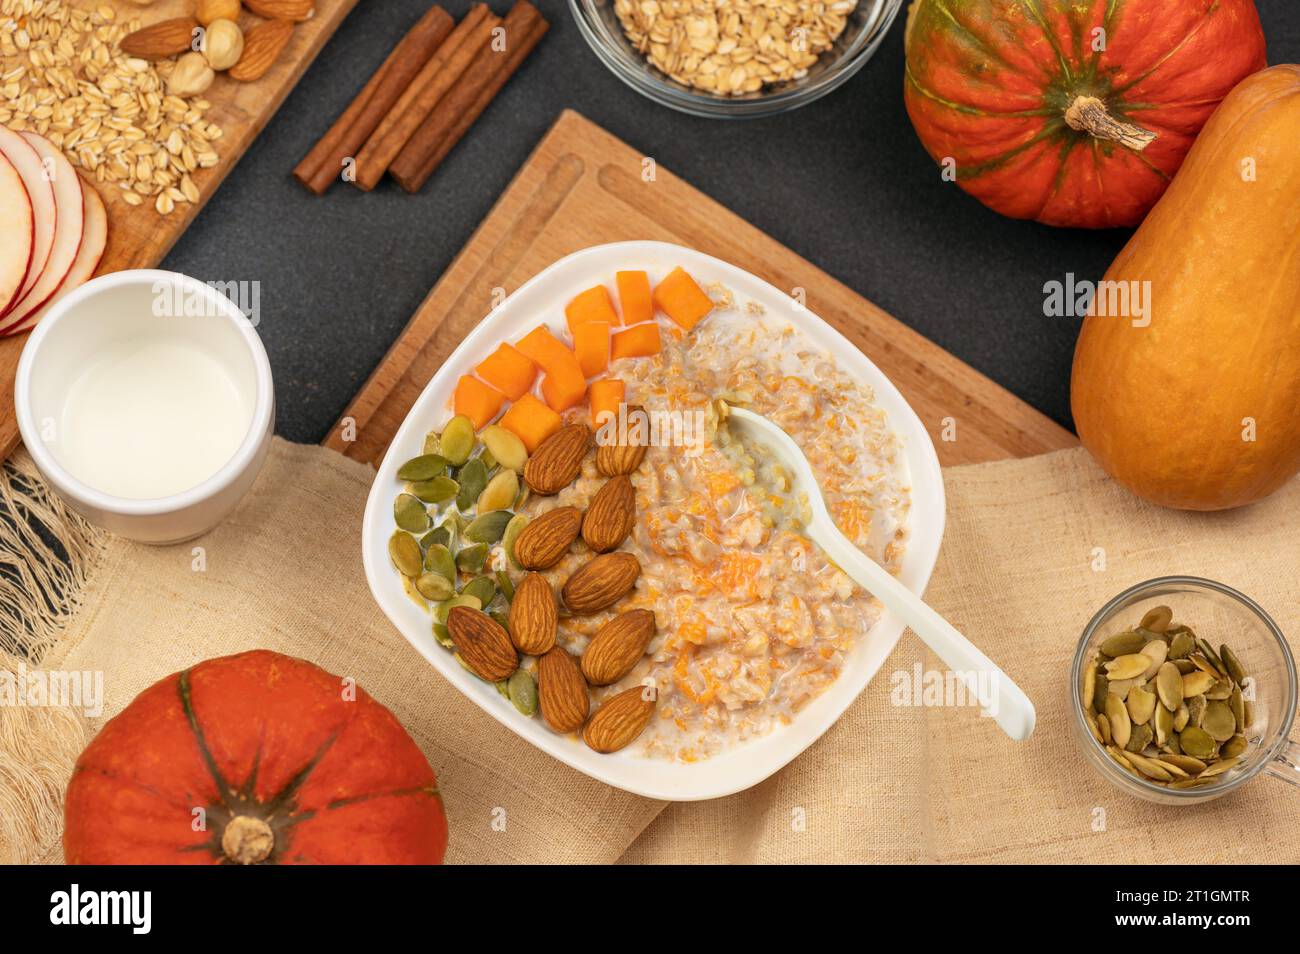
(17, 228)
(40, 190)
(70, 211)
(94, 239)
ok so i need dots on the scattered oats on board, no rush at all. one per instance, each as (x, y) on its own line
(733, 47)
(63, 76)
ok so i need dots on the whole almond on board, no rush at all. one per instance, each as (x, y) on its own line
(558, 460)
(620, 720)
(542, 543)
(295, 10)
(263, 45)
(161, 41)
(601, 583)
(610, 515)
(562, 691)
(483, 643)
(615, 459)
(534, 615)
(618, 646)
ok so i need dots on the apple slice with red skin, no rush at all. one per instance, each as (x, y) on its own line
(27, 161)
(17, 228)
(70, 206)
(94, 240)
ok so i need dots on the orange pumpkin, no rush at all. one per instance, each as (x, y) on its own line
(253, 759)
(1196, 404)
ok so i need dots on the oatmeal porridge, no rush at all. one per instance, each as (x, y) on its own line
(753, 621)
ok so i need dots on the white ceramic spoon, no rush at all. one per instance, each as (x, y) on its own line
(1001, 698)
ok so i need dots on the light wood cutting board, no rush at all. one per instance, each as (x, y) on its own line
(138, 236)
(583, 187)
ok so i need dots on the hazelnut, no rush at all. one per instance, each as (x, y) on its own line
(191, 76)
(223, 44)
(209, 10)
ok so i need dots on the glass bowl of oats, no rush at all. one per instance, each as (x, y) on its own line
(734, 58)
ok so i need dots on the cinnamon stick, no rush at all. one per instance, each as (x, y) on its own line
(320, 167)
(423, 94)
(524, 29)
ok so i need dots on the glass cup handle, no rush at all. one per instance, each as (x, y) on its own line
(1286, 764)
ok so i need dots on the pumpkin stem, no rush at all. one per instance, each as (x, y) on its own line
(1088, 114)
(247, 840)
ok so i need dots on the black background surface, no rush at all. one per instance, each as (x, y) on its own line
(843, 182)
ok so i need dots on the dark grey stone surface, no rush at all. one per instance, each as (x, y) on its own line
(844, 182)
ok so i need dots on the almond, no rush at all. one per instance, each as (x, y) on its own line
(561, 691)
(557, 461)
(263, 45)
(620, 720)
(615, 459)
(542, 543)
(295, 10)
(534, 615)
(610, 515)
(161, 41)
(483, 643)
(618, 646)
(601, 583)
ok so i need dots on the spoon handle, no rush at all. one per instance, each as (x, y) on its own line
(998, 695)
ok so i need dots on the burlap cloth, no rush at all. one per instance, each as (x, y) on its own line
(888, 783)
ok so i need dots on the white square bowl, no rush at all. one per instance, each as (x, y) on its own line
(542, 299)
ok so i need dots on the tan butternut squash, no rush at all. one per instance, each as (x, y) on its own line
(1196, 404)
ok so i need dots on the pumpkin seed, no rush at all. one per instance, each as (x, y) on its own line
(435, 586)
(1141, 705)
(1121, 758)
(1218, 768)
(1188, 764)
(1089, 686)
(1103, 726)
(488, 527)
(489, 462)
(1101, 692)
(1093, 728)
(1195, 709)
(442, 609)
(439, 535)
(500, 493)
(1195, 683)
(405, 553)
(1220, 691)
(1121, 687)
(523, 692)
(409, 514)
(1196, 742)
(1181, 645)
(437, 490)
(1172, 746)
(457, 440)
(1249, 709)
(424, 467)
(482, 587)
(431, 443)
(1123, 644)
(473, 480)
(1150, 767)
(1139, 738)
(1219, 722)
(1169, 685)
(471, 558)
(1234, 747)
(442, 636)
(502, 618)
(505, 585)
(1164, 724)
(1204, 665)
(1208, 652)
(1121, 727)
(438, 559)
(1174, 770)
(1181, 718)
(1185, 665)
(1127, 667)
(1190, 783)
(513, 529)
(503, 688)
(1157, 619)
(1235, 669)
(508, 449)
(1156, 650)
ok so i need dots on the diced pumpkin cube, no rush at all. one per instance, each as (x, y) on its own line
(477, 401)
(639, 341)
(604, 397)
(682, 299)
(591, 344)
(634, 297)
(531, 421)
(508, 370)
(592, 305)
(544, 349)
(564, 386)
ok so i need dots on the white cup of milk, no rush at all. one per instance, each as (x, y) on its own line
(145, 400)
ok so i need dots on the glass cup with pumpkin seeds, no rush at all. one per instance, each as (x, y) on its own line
(1183, 689)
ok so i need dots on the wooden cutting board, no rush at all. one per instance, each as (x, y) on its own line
(138, 236)
(583, 187)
